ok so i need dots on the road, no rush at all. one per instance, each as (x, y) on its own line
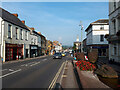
(35, 73)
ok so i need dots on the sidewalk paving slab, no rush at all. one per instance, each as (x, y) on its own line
(69, 79)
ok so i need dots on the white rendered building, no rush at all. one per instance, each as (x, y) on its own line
(95, 37)
(114, 31)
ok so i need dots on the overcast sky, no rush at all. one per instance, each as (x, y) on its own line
(59, 20)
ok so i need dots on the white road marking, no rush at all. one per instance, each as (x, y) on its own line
(4, 70)
(56, 77)
(10, 73)
(44, 59)
(35, 64)
(11, 70)
(27, 64)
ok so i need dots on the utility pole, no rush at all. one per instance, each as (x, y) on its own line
(81, 34)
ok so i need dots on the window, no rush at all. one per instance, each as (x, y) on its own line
(21, 34)
(9, 31)
(114, 26)
(101, 38)
(34, 41)
(102, 27)
(114, 4)
(115, 49)
(17, 36)
(26, 35)
(31, 40)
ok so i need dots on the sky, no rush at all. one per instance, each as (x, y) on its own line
(59, 20)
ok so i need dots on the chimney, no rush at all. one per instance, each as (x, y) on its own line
(32, 28)
(39, 33)
(15, 14)
(23, 21)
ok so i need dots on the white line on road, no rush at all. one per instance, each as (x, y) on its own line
(44, 59)
(27, 64)
(35, 64)
(10, 73)
(4, 70)
(56, 77)
(11, 70)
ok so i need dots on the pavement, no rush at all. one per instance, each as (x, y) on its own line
(68, 78)
(90, 80)
(105, 60)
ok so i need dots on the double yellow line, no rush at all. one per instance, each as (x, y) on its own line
(56, 77)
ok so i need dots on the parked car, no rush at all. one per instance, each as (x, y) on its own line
(63, 54)
(57, 55)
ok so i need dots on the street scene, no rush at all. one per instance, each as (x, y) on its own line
(60, 45)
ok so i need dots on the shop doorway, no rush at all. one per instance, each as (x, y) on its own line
(101, 52)
(14, 53)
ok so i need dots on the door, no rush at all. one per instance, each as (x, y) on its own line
(14, 53)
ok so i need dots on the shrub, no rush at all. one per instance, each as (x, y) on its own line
(85, 66)
(80, 56)
(92, 57)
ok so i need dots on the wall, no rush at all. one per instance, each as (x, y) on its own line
(0, 35)
(97, 32)
(89, 36)
(13, 40)
(114, 13)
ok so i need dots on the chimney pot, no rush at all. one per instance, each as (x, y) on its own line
(32, 28)
(39, 33)
(23, 21)
(15, 14)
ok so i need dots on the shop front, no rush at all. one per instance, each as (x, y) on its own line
(102, 50)
(33, 51)
(13, 52)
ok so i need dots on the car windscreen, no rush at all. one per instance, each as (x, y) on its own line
(57, 53)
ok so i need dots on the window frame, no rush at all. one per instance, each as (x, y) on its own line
(9, 31)
(16, 29)
(101, 38)
(102, 27)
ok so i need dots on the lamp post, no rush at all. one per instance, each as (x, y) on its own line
(81, 34)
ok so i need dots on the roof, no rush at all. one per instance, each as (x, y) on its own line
(99, 22)
(12, 19)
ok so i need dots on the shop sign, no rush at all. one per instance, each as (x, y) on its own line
(100, 47)
(14, 45)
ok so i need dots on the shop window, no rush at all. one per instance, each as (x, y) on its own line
(9, 31)
(101, 38)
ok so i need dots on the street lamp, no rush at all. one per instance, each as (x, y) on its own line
(81, 33)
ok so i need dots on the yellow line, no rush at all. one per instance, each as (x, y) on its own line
(55, 78)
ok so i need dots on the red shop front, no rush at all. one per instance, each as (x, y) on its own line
(14, 51)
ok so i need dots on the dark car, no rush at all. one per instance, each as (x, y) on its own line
(57, 55)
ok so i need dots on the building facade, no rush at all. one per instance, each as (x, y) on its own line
(114, 31)
(18, 41)
(57, 46)
(77, 45)
(95, 37)
(43, 45)
(14, 37)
